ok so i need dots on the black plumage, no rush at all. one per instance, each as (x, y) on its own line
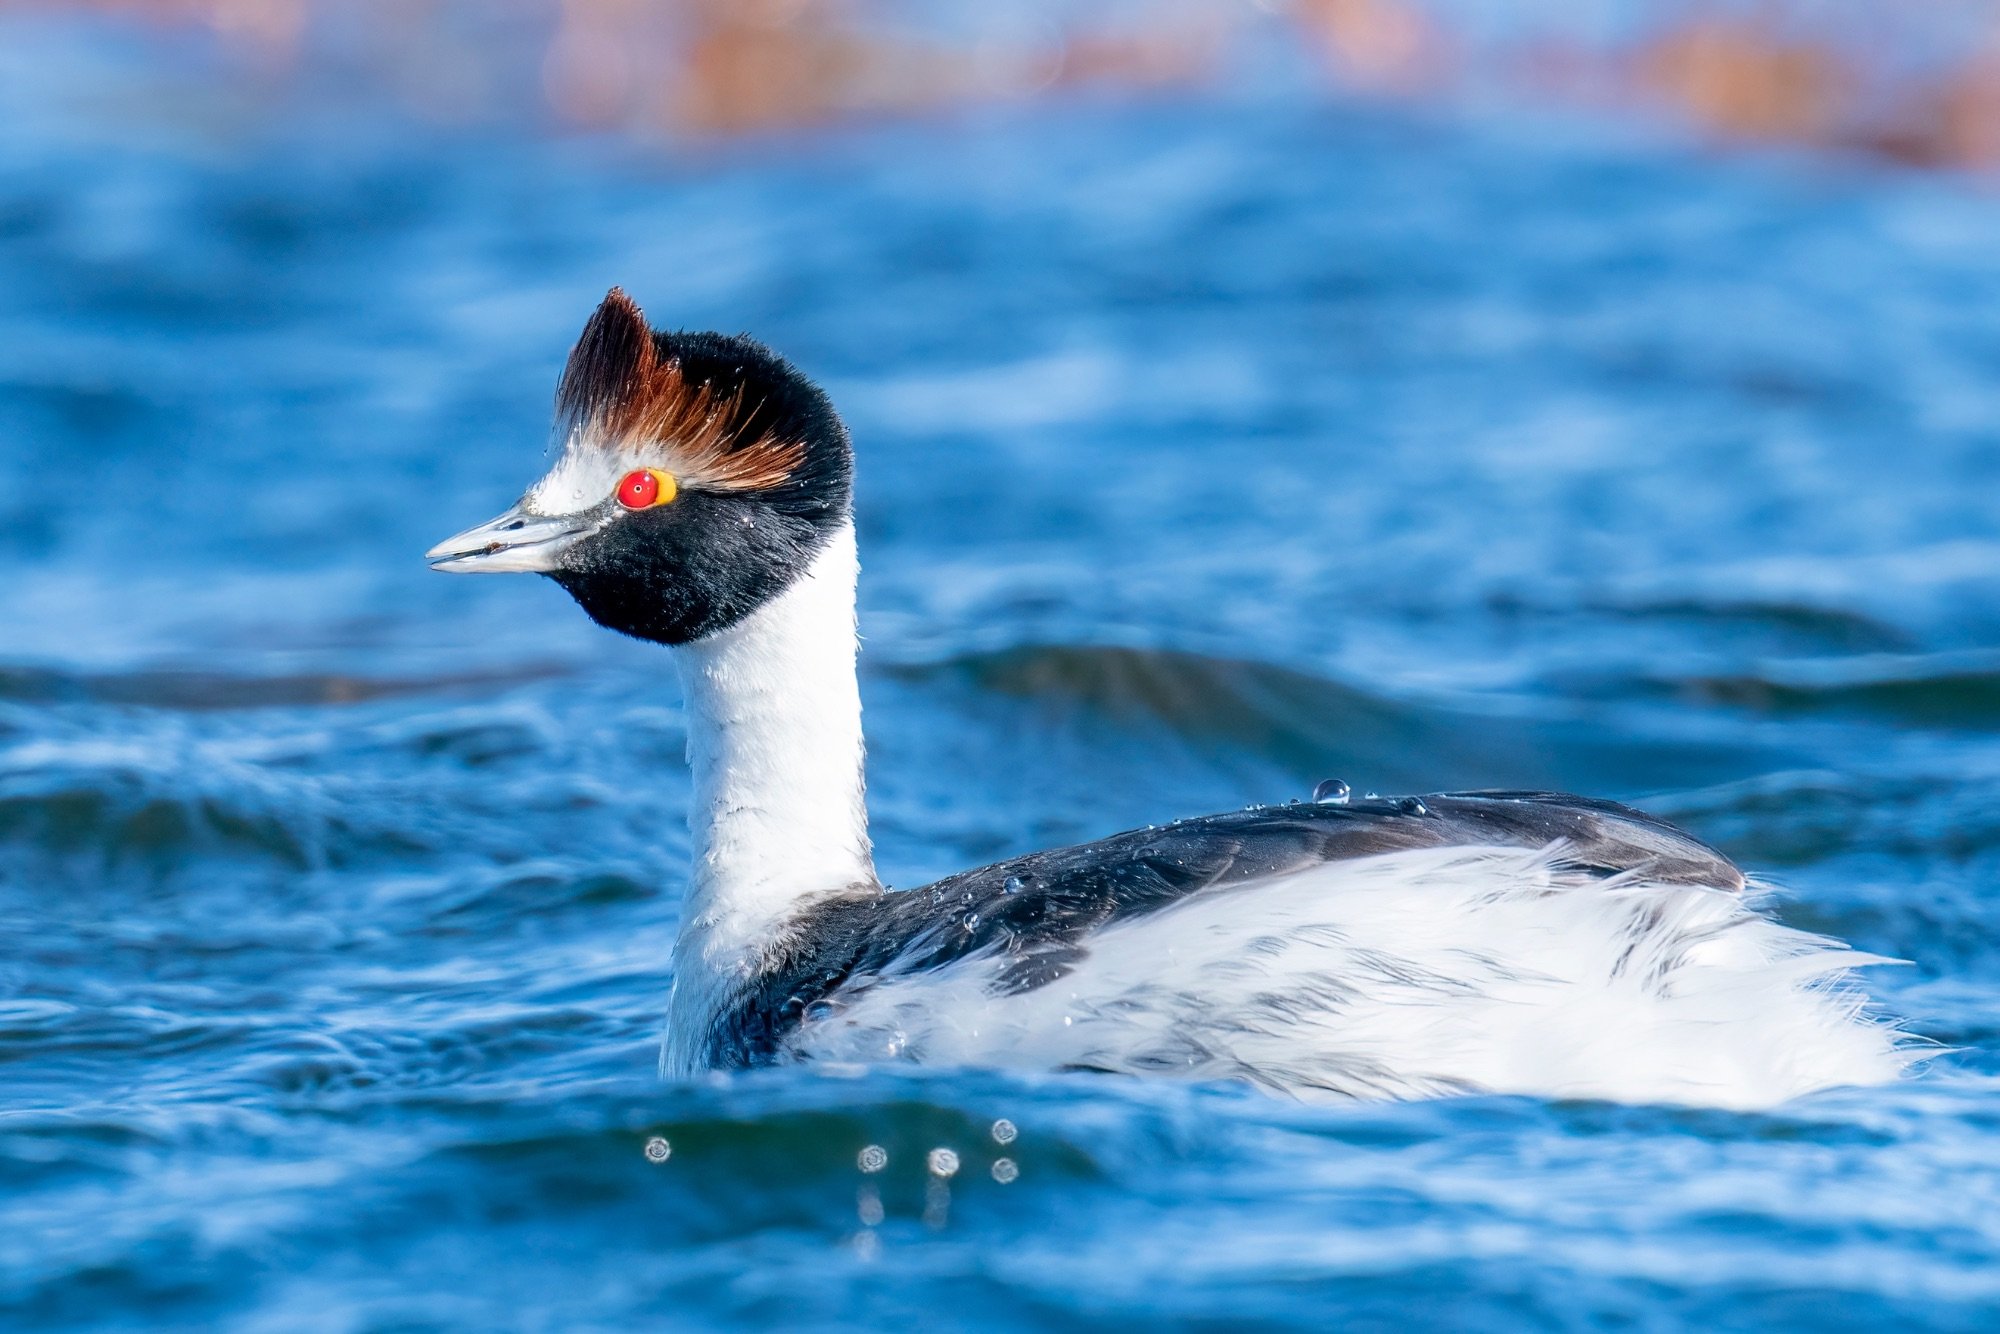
(770, 480)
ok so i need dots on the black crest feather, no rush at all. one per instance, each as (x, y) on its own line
(608, 364)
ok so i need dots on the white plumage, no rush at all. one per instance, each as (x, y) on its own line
(1411, 975)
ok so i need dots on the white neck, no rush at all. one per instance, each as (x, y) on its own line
(774, 739)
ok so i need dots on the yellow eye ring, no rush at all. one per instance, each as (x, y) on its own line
(645, 488)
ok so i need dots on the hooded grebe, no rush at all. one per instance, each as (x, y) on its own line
(1510, 942)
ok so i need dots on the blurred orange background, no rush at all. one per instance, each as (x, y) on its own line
(1913, 82)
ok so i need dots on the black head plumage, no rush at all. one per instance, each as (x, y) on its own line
(760, 465)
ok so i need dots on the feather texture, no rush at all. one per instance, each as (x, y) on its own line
(1408, 974)
(619, 393)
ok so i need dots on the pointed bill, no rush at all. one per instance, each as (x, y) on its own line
(515, 543)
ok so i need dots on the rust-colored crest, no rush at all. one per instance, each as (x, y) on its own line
(618, 390)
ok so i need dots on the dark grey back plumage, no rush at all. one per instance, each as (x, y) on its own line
(1037, 912)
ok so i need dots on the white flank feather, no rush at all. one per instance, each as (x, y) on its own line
(1413, 974)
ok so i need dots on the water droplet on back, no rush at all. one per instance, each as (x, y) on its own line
(1331, 792)
(1413, 806)
(1015, 884)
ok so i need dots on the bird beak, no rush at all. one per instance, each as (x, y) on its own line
(515, 543)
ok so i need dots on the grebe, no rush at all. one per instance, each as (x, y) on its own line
(1503, 942)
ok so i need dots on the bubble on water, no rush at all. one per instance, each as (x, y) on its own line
(1015, 884)
(943, 1163)
(1004, 1131)
(872, 1159)
(1331, 792)
(658, 1150)
(1006, 1171)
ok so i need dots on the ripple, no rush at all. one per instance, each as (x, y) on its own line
(201, 691)
(1802, 817)
(539, 893)
(1953, 691)
(1310, 726)
(143, 812)
(1797, 627)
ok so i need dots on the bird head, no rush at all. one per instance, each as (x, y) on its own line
(698, 476)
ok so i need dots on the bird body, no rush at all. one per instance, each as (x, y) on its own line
(1501, 942)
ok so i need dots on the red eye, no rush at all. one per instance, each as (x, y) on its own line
(639, 490)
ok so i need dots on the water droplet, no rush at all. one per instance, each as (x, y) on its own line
(1015, 884)
(1413, 806)
(1004, 1131)
(937, 897)
(1067, 1021)
(872, 1159)
(1006, 1171)
(1331, 792)
(943, 1163)
(658, 1150)
(971, 921)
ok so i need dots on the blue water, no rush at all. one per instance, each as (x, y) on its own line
(1207, 448)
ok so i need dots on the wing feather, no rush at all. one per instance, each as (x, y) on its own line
(1038, 911)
